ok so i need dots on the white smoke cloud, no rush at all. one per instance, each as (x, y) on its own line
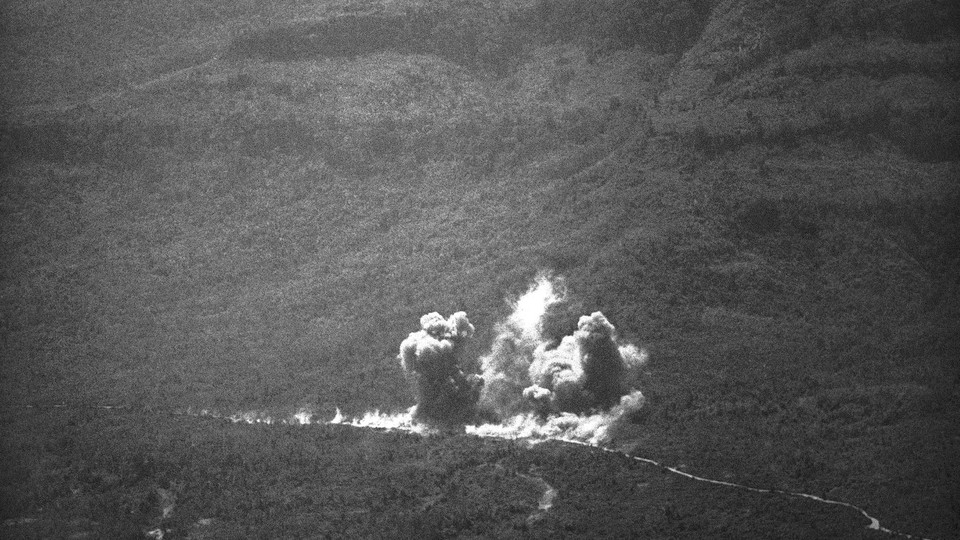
(587, 371)
(593, 428)
(506, 369)
(577, 389)
(524, 372)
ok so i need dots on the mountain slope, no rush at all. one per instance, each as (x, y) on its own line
(764, 194)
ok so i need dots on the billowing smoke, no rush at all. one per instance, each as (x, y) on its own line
(431, 358)
(587, 372)
(506, 370)
(594, 428)
(530, 386)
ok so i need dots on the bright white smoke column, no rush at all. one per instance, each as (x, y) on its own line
(577, 389)
(529, 310)
(506, 368)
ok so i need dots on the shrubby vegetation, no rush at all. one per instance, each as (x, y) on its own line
(124, 474)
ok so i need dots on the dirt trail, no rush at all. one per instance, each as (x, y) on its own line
(874, 522)
(550, 493)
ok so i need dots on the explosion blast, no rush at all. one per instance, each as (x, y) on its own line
(578, 388)
(445, 395)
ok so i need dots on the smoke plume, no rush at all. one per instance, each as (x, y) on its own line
(430, 357)
(587, 372)
(506, 370)
(530, 386)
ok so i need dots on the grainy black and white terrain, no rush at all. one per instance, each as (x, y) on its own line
(212, 208)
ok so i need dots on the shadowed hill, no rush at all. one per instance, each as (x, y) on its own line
(764, 194)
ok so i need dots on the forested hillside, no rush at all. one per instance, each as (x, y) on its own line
(245, 207)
